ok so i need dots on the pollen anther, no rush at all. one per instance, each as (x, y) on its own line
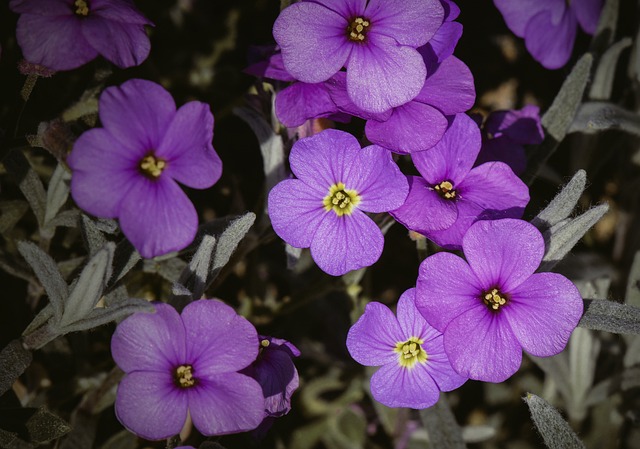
(445, 189)
(494, 299)
(341, 200)
(82, 9)
(184, 376)
(410, 352)
(357, 29)
(152, 166)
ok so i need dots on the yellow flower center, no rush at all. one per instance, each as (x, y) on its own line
(184, 376)
(410, 352)
(357, 29)
(152, 166)
(494, 299)
(341, 200)
(445, 190)
(82, 8)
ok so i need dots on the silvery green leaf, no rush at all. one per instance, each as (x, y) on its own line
(562, 237)
(28, 181)
(89, 286)
(557, 368)
(583, 350)
(293, 255)
(92, 235)
(44, 426)
(116, 296)
(444, 432)
(596, 116)
(563, 204)
(602, 83)
(14, 359)
(558, 118)
(47, 273)
(194, 277)
(57, 193)
(100, 316)
(555, 431)
(606, 31)
(42, 317)
(10, 213)
(603, 315)
(169, 269)
(67, 218)
(124, 259)
(632, 296)
(632, 354)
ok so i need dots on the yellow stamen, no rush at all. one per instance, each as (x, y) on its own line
(341, 200)
(410, 352)
(494, 299)
(152, 166)
(445, 189)
(357, 29)
(82, 9)
(184, 376)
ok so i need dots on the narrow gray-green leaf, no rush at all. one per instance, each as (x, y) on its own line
(293, 255)
(557, 368)
(561, 238)
(67, 218)
(124, 259)
(92, 235)
(28, 181)
(57, 193)
(194, 276)
(606, 31)
(89, 286)
(602, 83)
(14, 359)
(583, 350)
(634, 61)
(555, 431)
(47, 273)
(632, 296)
(169, 269)
(444, 432)
(228, 242)
(44, 426)
(563, 204)
(100, 316)
(42, 317)
(603, 315)
(596, 116)
(10, 213)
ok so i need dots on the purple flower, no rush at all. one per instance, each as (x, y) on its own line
(493, 306)
(128, 168)
(549, 26)
(374, 39)
(65, 34)
(450, 195)
(506, 132)
(324, 208)
(414, 367)
(178, 364)
(444, 42)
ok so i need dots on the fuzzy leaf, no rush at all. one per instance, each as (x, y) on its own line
(28, 181)
(606, 31)
(47, 273)
(100, 316)
(92, 235)
(563, 204)
(67, 218)
(603, 315)
(14, 359)
(58, 192)
(602, 83)
(554, 429)
(596, 116)
(10, 213)
(194, 276)
(444, 432)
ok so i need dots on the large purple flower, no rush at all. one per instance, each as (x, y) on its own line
(374, 39)
(179, 364)
(549, 26)
(128, 169)
(493, 306)
(325, 207)
(65, 34)
(451, 195)
(414, 367)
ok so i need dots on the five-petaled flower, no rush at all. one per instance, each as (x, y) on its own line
(178, 364)
(324, 208)
(128, 168)
(414, 366)
(493, 306)
(65, 34)
(374, 39)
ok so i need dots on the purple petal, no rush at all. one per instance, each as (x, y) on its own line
(503, 253)
(412, 127)
(588, 13)
(313, 41)
(150, 405)
(378, 180)
(450, 88)
(226, 403)
(104, 172)
(277, 375)
(218, 339)
(186, 146)
(443, 43)
(303, 101)
(372, 339)
(451, 10)
(150, 341)
(451, 237)
(543, 311)
(411, 322)
(372, 74)
(481, 345)
(126, 45)
(118, 10)
(346, 8)
(395, 386)
(295, 211)
(137, 113)
(54, 42)
(446, 288)
(337, 88)
(439, 366)
(503, 149)
(451, 159)
(518, 13)
(424, 210)
(522, 126)
(410, 22)
(550, 43)
(157, 217)
(42, 7)
(272, 68)
(346, 243)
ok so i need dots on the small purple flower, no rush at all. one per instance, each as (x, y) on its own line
(451, 195)
(506, 132)
(549, 26)
(374, 39)
(494, 305)
(324, 208)
(65, 34)
(128, 168)
(178, 364)
(414, 367)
